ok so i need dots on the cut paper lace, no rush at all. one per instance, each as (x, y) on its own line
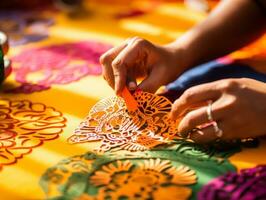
(38, 69)
(110, 122)
(25, 125)
(248, 184)
(161, 173)
(148, 179)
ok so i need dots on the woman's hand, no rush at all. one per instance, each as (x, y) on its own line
(139, 58)
(238, 107)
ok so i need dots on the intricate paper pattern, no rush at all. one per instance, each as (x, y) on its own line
(248, 184)
(39, 68)
(161, 173)
(110, 122)
(25, 125)
(140, 180)
(23, 27)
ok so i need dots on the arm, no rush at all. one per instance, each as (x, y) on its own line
(232, 25)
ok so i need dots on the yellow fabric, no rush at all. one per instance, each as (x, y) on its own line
(167, 22)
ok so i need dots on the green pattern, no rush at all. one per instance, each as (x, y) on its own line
(71, 177)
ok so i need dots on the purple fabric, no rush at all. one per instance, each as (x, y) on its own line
(249, 184)
(208, 72)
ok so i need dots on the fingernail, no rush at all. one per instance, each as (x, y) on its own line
(132, 86)
(200, 132)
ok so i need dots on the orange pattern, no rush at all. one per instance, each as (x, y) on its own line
(25, 125)
(111, 122)
(148, 179)
(131, 103)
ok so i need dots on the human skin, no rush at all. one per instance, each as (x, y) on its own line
(232, 25)
(238, 107)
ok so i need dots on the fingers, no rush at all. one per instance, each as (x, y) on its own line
(131, 80)
(120, 74)
(117, 61)
(106, 61)
(206, 135)
(125, 60)
(198, 117)
(211, 132)
(153, 81)
(192, 96)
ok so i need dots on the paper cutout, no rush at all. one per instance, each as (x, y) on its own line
(110, 122)
(161, 173)
(130, 102)
(248, 184)
(25, 125)
(147, 180)
(24, 27)
(39, 68)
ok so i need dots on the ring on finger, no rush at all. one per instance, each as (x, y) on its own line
(209, 111)
(217, 130)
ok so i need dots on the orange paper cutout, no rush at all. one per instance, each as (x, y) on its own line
(131, 103)
(148, 179)
(25, 125)
(110, 122)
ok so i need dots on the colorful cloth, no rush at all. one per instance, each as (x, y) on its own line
(208, 72)
(48, 139)
(248, 184)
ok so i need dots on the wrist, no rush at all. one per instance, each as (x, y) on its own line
(179, 56)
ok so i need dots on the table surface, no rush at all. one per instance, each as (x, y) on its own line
(161, 24)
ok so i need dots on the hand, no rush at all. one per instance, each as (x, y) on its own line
(239, 108)
(139, 58)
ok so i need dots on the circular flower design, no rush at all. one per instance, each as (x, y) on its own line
(110, 122)
(151, 179)
(25, 125)
(160, 173)
(39, 68)
(248, 184)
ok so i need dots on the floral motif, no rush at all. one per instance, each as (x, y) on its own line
(38, 69)
(151, 179)
(248, 184)
(160, 173)
(23, 27)
(110, 122)
(25, 125)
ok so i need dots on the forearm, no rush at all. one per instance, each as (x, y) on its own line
(232, 25)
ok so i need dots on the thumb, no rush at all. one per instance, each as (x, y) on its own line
(131, 80)
(153, 81)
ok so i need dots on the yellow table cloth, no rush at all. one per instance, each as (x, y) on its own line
(68, 104)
